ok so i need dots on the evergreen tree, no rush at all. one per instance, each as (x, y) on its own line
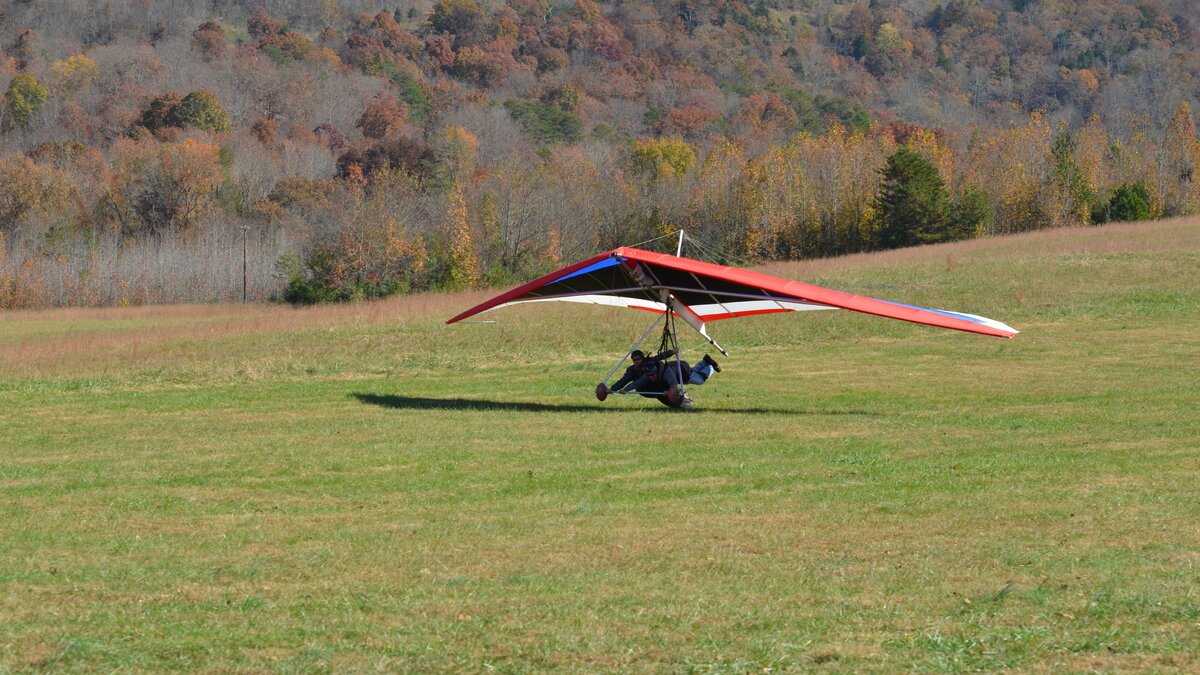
(971, 216)
(912, 202)
(1130, 202)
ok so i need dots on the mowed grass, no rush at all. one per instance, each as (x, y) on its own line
(363, 488)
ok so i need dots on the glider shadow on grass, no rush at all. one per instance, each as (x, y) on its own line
(470, 404)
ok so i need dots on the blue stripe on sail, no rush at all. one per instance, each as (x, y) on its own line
(952, 315)
(607, 262)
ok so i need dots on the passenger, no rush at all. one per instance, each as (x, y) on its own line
(637, 370)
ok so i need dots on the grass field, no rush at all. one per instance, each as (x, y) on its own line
(364, 488)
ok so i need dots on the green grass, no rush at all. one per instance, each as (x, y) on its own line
(374, 490)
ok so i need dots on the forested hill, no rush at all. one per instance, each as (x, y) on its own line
(364, 149)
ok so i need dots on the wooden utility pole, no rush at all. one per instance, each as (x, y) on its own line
(244, 229)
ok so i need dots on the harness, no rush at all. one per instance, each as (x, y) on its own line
(668, 340)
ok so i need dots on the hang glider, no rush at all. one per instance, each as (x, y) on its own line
(699, 292)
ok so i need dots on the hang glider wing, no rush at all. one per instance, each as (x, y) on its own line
(699, 292)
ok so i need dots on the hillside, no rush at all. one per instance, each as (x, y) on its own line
(348, 150)
(361, 487)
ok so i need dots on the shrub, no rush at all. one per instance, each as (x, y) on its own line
(363, 262)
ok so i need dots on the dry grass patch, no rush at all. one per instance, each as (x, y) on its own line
(1161, 236)
(138, 337)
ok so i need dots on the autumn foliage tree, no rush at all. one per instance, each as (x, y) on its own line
(663, 157)
(162, 187)
(373, 256)
(26, 188)
(413, 156)
(201, 110)
(384, 117)
(1180, 185)
(23, 99)
(463, 19)
(74, 73)
(1070, 180)
(459, 264)
(161, 112)
(209, 39)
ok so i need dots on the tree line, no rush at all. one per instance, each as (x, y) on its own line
(439, 220)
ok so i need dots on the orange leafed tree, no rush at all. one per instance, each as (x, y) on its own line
(159, 187)
(384, 117)
(27, 187)
(686, 121)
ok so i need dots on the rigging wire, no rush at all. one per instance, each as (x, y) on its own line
(650, 241)
(711, 254)
(635, 346)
